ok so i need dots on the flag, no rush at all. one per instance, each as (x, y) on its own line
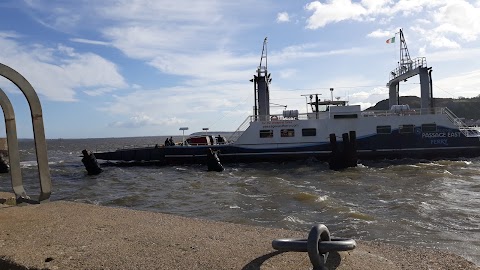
(391, 40)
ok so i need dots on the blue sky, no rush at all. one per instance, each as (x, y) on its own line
(119, 68)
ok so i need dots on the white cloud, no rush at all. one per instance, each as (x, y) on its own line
(422, 51)
(309, 51)
(287, 73)
(375, 6)
(162, 11)
(443, 23)
(57, 73)
(92, 42)
(449, 55)
(464, 84)
(210, 66)
(368, 97)
(458, 17)
(142, 120)
(192, 106)
(283, 17)
(99, 91)
(442, 42)
(367, 10)
(435, 39)
(9, 34)
(333, 11)
(409, 7)
(381, 33)
(423, 21)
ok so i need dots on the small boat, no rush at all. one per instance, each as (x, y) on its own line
(427, 132)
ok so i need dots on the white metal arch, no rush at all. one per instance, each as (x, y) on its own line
(38, 133)
(13, 153)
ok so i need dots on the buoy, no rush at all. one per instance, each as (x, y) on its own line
(90, 163)
(213, 162)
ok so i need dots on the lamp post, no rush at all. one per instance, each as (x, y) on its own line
(206, 130)
(183, 134)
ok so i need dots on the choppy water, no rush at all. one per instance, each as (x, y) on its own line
(409, 202)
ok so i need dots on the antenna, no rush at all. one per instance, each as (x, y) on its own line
(264, 54)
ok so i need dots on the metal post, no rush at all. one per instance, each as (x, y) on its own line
(183, 134)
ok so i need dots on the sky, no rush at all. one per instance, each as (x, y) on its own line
(122, 68)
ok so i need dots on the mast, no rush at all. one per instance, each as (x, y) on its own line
(261, 87)
(404, 54)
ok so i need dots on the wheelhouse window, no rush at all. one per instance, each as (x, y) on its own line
(406, 129)
(384, 129)
(309, 132)
(287, 133)
(429, 128)
(345, 116)
(266, 133)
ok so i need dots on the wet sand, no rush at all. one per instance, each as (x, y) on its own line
(68, 235)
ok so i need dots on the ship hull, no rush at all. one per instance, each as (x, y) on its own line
(368, 148)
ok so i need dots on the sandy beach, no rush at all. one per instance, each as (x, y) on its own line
(68, 235)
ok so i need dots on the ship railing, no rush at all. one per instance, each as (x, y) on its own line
(134, 146)
(278, 117)
(235, 135)
(464, 128)
(408, 66)
(416, 111)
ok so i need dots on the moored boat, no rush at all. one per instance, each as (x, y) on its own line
(401, 132)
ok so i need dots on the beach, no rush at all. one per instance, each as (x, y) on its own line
(69, 235)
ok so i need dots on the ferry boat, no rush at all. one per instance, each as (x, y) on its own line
(402, 132)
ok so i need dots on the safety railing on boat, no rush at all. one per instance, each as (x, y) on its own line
(466, 130)
(417, 111)
(235, 135)
(408, 66)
